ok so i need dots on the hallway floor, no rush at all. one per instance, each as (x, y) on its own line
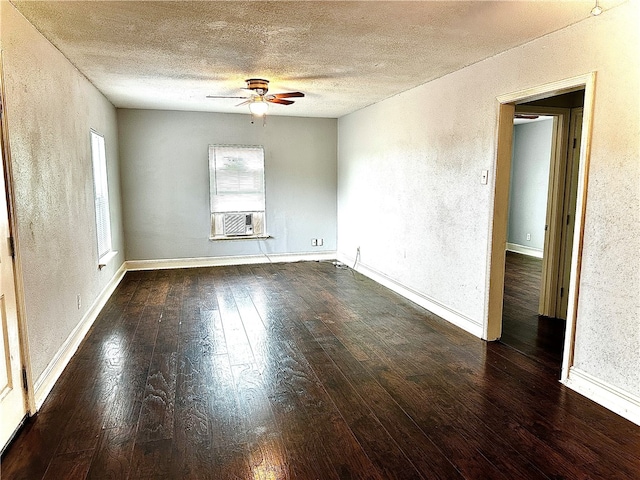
(540, 338)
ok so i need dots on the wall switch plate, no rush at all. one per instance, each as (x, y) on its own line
(320, 242)
(484, 177)
(314, 242)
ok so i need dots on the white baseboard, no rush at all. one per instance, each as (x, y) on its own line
(609, 396)
(532, 252)
(50, 375)
(132, 265)
(448, 314)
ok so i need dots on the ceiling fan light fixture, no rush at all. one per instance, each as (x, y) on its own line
(258, 99)
(597, 10)
(258, 107)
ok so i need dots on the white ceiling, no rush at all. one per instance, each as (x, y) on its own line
(343, 55)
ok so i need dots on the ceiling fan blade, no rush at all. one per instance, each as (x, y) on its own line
(245, 102)
(222, 96)
(288, 95)
(279, 100)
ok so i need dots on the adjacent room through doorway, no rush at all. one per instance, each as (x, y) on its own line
(540, 234)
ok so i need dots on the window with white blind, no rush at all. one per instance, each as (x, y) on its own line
(101, 195)
(237, 193)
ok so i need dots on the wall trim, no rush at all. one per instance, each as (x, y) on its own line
(425, 301)
(133, 265)
(609, 396)
(50, 375)
(524, 250)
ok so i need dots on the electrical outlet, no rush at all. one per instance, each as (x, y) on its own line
(528, 236)
(79, 301)
(484, 177)
(314, 242)
(320, 242)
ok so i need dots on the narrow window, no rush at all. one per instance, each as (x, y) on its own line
(101, 194)
(237, 192)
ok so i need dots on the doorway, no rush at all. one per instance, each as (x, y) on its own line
(541, 195)
(551, 282)
(536, 140)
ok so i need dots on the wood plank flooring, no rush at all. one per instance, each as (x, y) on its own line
(305, 371)
(540, 338)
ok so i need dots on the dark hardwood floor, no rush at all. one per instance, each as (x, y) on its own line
(305, 371)
(540, 338)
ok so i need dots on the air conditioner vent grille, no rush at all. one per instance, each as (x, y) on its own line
(238, 224)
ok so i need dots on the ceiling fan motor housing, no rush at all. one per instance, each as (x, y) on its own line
(258, 85)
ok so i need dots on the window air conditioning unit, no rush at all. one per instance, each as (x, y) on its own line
(238, 224)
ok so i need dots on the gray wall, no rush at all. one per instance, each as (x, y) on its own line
(50, 110)
(165, 182)
(529, 183)
(409, 191)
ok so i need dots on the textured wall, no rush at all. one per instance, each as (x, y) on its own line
(165, 182)
(409, 189)
(529, 183)
(50, 110)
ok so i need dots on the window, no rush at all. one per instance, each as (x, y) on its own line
(236, 188)
(101, 194)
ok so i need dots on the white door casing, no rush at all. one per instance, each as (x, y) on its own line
(496, 257)
(13, 406)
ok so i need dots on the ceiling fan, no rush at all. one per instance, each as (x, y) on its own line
(258, 98)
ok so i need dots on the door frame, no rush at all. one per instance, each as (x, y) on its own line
(569, 210)
(498, 227)
(7, 171)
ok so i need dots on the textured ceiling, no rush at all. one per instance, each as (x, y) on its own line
(343, 55)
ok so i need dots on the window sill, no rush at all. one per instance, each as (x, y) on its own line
(105, 259)
(240, 237)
